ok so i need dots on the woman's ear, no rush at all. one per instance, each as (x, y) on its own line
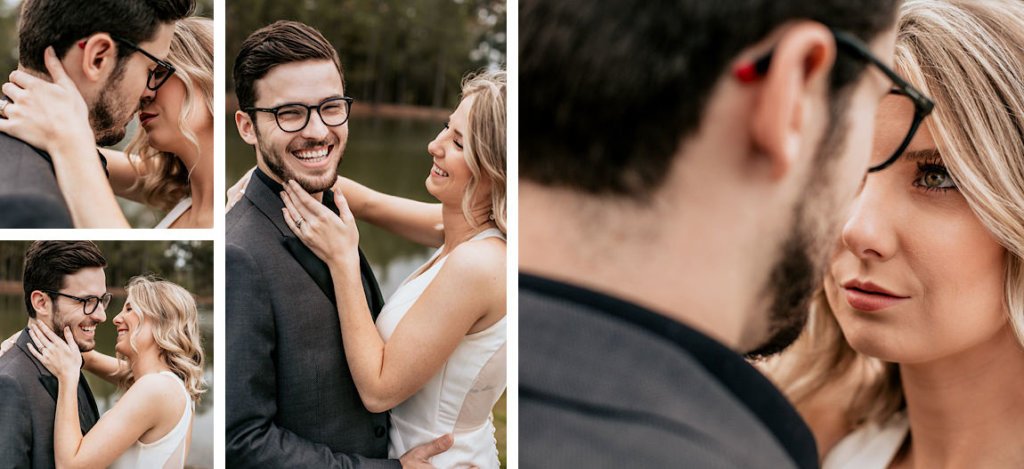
(794, 95)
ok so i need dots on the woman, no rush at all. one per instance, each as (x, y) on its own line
(159, 364)
(167, 165)
(918, 334)
(436, 356)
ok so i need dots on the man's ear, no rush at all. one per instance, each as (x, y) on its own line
(98, 58)
(42, 304)
(246, 127)
(795, 85)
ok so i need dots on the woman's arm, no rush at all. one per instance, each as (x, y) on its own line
(123, 174)
(132, 416)
(416, 221)
(101, 365)
(54, 117)
(469, 290)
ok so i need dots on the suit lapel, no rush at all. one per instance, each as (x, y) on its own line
(88, 412)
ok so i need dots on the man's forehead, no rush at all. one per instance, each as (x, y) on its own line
(308, 82)
(160, 44)
(90, 280)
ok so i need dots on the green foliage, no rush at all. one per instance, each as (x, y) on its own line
(411, 52)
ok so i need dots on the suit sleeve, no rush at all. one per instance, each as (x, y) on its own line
(253, 438)
(16, 426)
(33, 211)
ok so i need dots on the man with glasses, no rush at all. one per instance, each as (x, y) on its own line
(113, 51)
(283, 337)
(685, 167)
(65, 287)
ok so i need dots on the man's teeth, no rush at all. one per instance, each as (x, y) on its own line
(89, 328)
(311, 154)
(438, 171)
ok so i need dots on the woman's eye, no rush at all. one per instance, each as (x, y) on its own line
(934, 177)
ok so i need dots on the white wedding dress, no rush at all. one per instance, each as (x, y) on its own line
(871, 446)
(175, 213)
(169, 451)
(459, 398)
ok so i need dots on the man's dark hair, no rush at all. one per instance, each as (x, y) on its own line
(282, 42)
(48, 262)
(59, 23)
(611, 88)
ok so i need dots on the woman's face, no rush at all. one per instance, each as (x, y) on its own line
(916, 276)
(449, 175)
(160, 117)
(129, 324)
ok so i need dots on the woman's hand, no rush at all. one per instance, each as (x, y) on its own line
(335, 239)
(60, 356)
(237, 191)
(44, 114)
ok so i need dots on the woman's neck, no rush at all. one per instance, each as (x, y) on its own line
(148, 362)
(457, 229)
(967, 410)
(200, 163)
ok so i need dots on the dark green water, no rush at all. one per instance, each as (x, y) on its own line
(13, 318)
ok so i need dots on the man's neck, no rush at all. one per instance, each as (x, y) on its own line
(693, 274)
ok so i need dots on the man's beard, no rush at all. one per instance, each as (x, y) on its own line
(107, 115)
(275, 163)
(804, 254)
(58, 328)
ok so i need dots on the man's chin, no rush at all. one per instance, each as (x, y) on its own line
(110, 137)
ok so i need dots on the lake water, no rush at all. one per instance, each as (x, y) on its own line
(13, 318)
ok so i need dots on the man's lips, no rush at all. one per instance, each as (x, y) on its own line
(867, 296)
(313, 156)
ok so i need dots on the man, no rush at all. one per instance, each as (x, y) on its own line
(110, 49)
(684, 169)
(293, 402)
(64, 286)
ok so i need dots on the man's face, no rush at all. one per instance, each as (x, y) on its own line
(125, 89)
(69, 312)
(310, 156)
(837, 171)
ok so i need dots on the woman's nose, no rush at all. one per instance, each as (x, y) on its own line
(869, 232)
(434, 147)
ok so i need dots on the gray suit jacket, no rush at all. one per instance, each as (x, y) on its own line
(597, 391)
(292, 402)
(29, 196)
(28, 404)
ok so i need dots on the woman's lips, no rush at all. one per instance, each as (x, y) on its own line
(865, 296)
(145, 118)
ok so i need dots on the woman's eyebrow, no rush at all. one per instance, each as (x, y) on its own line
(926, 154)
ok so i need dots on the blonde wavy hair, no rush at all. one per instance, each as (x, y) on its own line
(485, 143)
(164, 178)
(171, 312)
(968, 55)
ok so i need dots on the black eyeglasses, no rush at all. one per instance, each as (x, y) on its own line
(89, 303)
(293, 117)
(923, 106)
(159, 75)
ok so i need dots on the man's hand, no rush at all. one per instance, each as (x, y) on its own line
(419, 457)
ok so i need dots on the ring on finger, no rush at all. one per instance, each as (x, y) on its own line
(298, 223)
(3, 106)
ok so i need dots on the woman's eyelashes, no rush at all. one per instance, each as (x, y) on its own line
(933, 176)
(456, 142)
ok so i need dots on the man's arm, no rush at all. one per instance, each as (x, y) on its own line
(16, 426)
(253, 439)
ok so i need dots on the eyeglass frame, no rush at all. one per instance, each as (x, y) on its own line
(849, 43)
(309, 112)
(103, 299)
(160, 63)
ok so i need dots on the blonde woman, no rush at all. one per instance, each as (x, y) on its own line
(159, 364)
(914, 355)
(168, 164)
(436, 356)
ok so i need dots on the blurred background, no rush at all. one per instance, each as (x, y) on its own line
(139, 216)
(404, 61)
(187, 263)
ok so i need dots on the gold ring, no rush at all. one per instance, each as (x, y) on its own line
(3, 105)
